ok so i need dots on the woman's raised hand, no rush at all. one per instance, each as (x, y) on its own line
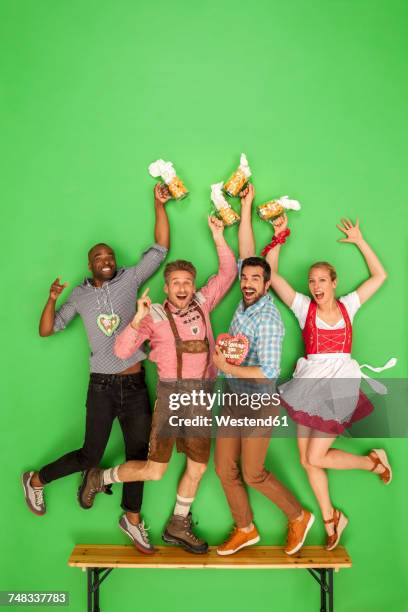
(280, 223)
(352, 232)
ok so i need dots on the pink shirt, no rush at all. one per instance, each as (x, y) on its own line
(156, 328)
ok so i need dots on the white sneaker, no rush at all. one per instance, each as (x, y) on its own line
(34, 496)
(138, 534)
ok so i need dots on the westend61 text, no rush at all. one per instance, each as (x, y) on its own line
(227, 421)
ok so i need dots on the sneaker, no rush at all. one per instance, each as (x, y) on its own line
(34, 496)
(297, 532)
(179, 531)
(138, 534)
(92, 483)
(340, 522)
(237, 540)
(379, 457)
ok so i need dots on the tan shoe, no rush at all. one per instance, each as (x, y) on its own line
(340, 522)
(237, 540)
(379, 457)
(297, 532)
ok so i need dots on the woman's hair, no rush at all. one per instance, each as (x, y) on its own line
(325, 264)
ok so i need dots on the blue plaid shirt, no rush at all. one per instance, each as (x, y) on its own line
(261, 323)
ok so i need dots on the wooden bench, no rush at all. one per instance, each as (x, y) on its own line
(100, 559)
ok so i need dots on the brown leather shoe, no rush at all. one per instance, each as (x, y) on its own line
(340, 522)
(379, 457)
(179, 531)
(92, 483)
(297, 532)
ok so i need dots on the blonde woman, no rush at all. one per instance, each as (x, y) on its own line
(324, 396)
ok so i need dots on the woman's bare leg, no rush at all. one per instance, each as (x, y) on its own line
(317, 476)
(321, 455)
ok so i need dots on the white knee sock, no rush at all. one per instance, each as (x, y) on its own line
(111, 475)
(183, 505)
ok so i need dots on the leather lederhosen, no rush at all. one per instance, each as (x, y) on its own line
(188, 346)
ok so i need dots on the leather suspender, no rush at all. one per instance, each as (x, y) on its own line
(188, 346)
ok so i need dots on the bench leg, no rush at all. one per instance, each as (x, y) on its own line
(323, 591)
(93, 589)
(325, 579)
(89, 589)
(96, 590)
(95, 577)
(331, 591)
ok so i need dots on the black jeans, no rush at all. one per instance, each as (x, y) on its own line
(110, 396)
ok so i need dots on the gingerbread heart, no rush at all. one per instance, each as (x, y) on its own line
(107, 323)
(234, 348)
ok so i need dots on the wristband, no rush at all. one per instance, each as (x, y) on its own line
(278, 239)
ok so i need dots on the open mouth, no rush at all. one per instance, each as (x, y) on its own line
(318, 295)
(106, 269)
(249, 293)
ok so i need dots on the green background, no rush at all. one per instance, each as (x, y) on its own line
(315, 93)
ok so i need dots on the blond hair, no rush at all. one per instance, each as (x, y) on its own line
(325, 264)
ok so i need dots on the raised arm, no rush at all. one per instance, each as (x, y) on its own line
(47, 320)
(218, 285)
(246, 240)
(161, 228)
(375, 267)
(153, 257)
(281, 286)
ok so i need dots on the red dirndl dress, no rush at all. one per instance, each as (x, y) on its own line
(324, 393)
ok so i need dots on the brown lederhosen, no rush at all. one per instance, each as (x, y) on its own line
(160, 447)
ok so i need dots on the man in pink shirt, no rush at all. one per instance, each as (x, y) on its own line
(182, 344)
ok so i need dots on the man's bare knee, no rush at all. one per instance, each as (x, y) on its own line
(195, 470)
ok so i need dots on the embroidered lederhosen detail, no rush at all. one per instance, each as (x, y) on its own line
(327, 340)
(188, 346)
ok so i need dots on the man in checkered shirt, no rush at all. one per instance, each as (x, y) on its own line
(259, 320)
(106, 303)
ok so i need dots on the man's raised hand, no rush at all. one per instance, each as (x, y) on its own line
(143, 308)
(216, 226)
(161, 193)
(247, 195)
(56, 289)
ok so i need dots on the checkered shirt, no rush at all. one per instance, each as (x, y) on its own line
(261, 323)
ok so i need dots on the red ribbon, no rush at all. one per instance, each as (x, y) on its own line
(278, 239)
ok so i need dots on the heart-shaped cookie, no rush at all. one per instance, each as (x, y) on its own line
(234, 348)
(107, 323)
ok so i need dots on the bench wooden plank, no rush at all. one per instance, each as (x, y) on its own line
(173, 557)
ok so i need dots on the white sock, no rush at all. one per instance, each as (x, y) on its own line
(183, 505)
(111, 475)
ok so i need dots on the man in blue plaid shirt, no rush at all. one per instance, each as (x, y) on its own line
(259, 320)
